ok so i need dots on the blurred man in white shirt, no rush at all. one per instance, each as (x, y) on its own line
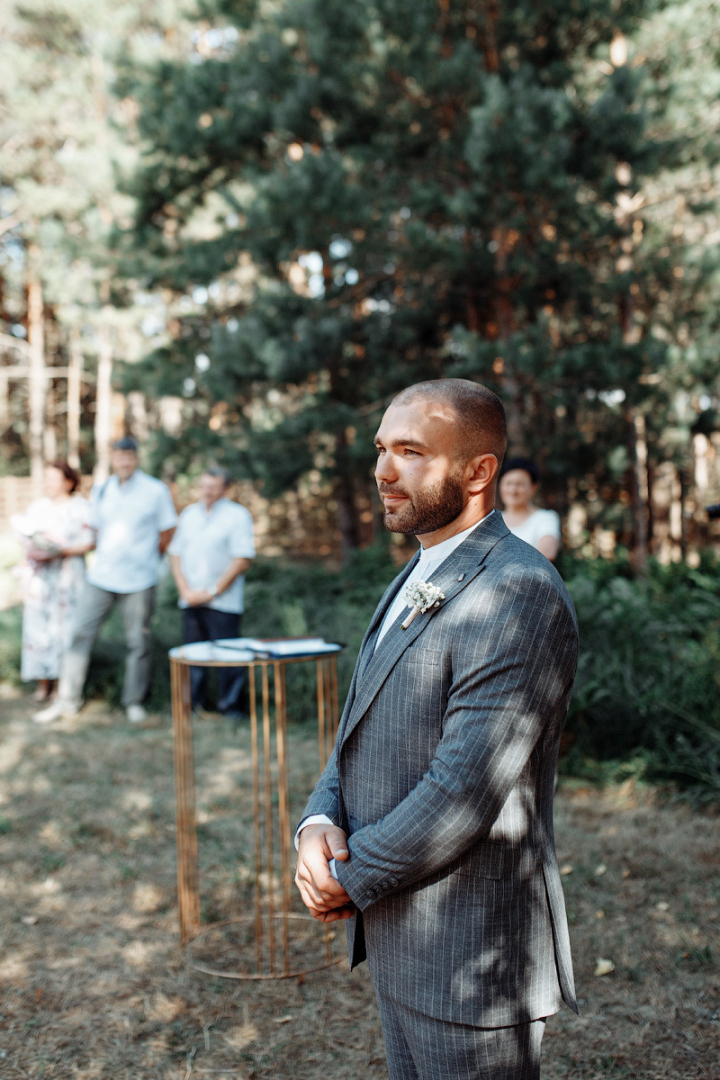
(134, 519)
(210, 553)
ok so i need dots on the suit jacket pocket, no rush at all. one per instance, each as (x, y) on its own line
(430, 658)
(484, 860)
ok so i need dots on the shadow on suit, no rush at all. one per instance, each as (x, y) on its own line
(443, 778)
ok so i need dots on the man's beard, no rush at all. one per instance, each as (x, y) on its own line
(429, 510)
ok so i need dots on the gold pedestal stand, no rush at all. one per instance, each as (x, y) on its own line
(273, 917)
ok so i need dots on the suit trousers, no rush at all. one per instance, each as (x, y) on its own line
(206, 624)
(420, 1047)
(93, 608)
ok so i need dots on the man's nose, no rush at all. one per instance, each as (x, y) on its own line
(385, 470)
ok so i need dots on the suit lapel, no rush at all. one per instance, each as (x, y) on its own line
(368, 645)
(389, 595)
(452, 576)
(368, 642)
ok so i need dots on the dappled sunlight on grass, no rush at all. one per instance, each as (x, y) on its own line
(642, 892)
(93, 980)
(94, 984)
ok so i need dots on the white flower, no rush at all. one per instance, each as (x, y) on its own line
(421, 596)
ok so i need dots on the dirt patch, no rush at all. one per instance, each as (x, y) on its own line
(94, 984)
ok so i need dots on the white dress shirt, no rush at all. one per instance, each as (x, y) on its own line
(207, 541)
(129, 518)
(427, 564)
(430, 559)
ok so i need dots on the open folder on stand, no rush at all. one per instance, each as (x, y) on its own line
(290, 647)
(241, 650)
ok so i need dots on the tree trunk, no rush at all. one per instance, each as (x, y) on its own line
(512, 398)
(344, 491)
(73, 400)
(4, 404)
(50, 451)
(492, 56)
(136, 417)
(36, 377)
(700, 448)
(676, 513)
(504, 286)
(650, 479)
(683, 526)
(639, 490)
(103, 409)
(347, 517)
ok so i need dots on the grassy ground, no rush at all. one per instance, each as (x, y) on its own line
(93, 984)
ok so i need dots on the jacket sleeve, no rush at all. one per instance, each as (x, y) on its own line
(501, 699)
(324, 799)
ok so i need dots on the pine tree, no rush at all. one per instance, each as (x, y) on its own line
(680, 228)
(61, 143)
(345, 198)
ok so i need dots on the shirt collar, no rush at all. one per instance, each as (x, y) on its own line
(215, 506)
(439, 552)
(128, 483)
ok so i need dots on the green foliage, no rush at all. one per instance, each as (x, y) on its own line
(10, 638)
(282, 598)
(647, 695)
(336, 199)
(380, 193)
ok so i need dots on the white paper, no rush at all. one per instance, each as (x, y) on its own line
(206, 651)
(297, 647)
(247, 649)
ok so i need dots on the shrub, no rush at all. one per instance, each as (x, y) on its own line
(647, 690)
(647, 694)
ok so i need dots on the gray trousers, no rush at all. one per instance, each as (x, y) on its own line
(420, 1047)
(93, 608)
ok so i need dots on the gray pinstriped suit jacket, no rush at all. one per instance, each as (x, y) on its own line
(443, 775)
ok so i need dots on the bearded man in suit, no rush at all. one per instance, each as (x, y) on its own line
(431, 827)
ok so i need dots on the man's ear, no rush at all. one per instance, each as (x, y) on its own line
(482, 472)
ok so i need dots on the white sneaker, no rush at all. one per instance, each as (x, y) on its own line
(58, 710)
(135, 714)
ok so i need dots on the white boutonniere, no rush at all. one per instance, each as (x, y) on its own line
(421, 597)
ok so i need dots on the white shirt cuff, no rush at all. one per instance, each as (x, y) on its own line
(313, 819)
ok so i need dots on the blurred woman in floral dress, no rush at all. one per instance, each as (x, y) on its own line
(56, 537)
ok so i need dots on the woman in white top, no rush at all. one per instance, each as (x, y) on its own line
(540, 528)
(56, 536)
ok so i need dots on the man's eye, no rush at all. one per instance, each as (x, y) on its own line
(407, 450)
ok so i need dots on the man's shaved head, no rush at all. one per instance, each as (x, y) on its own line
(482, 428)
